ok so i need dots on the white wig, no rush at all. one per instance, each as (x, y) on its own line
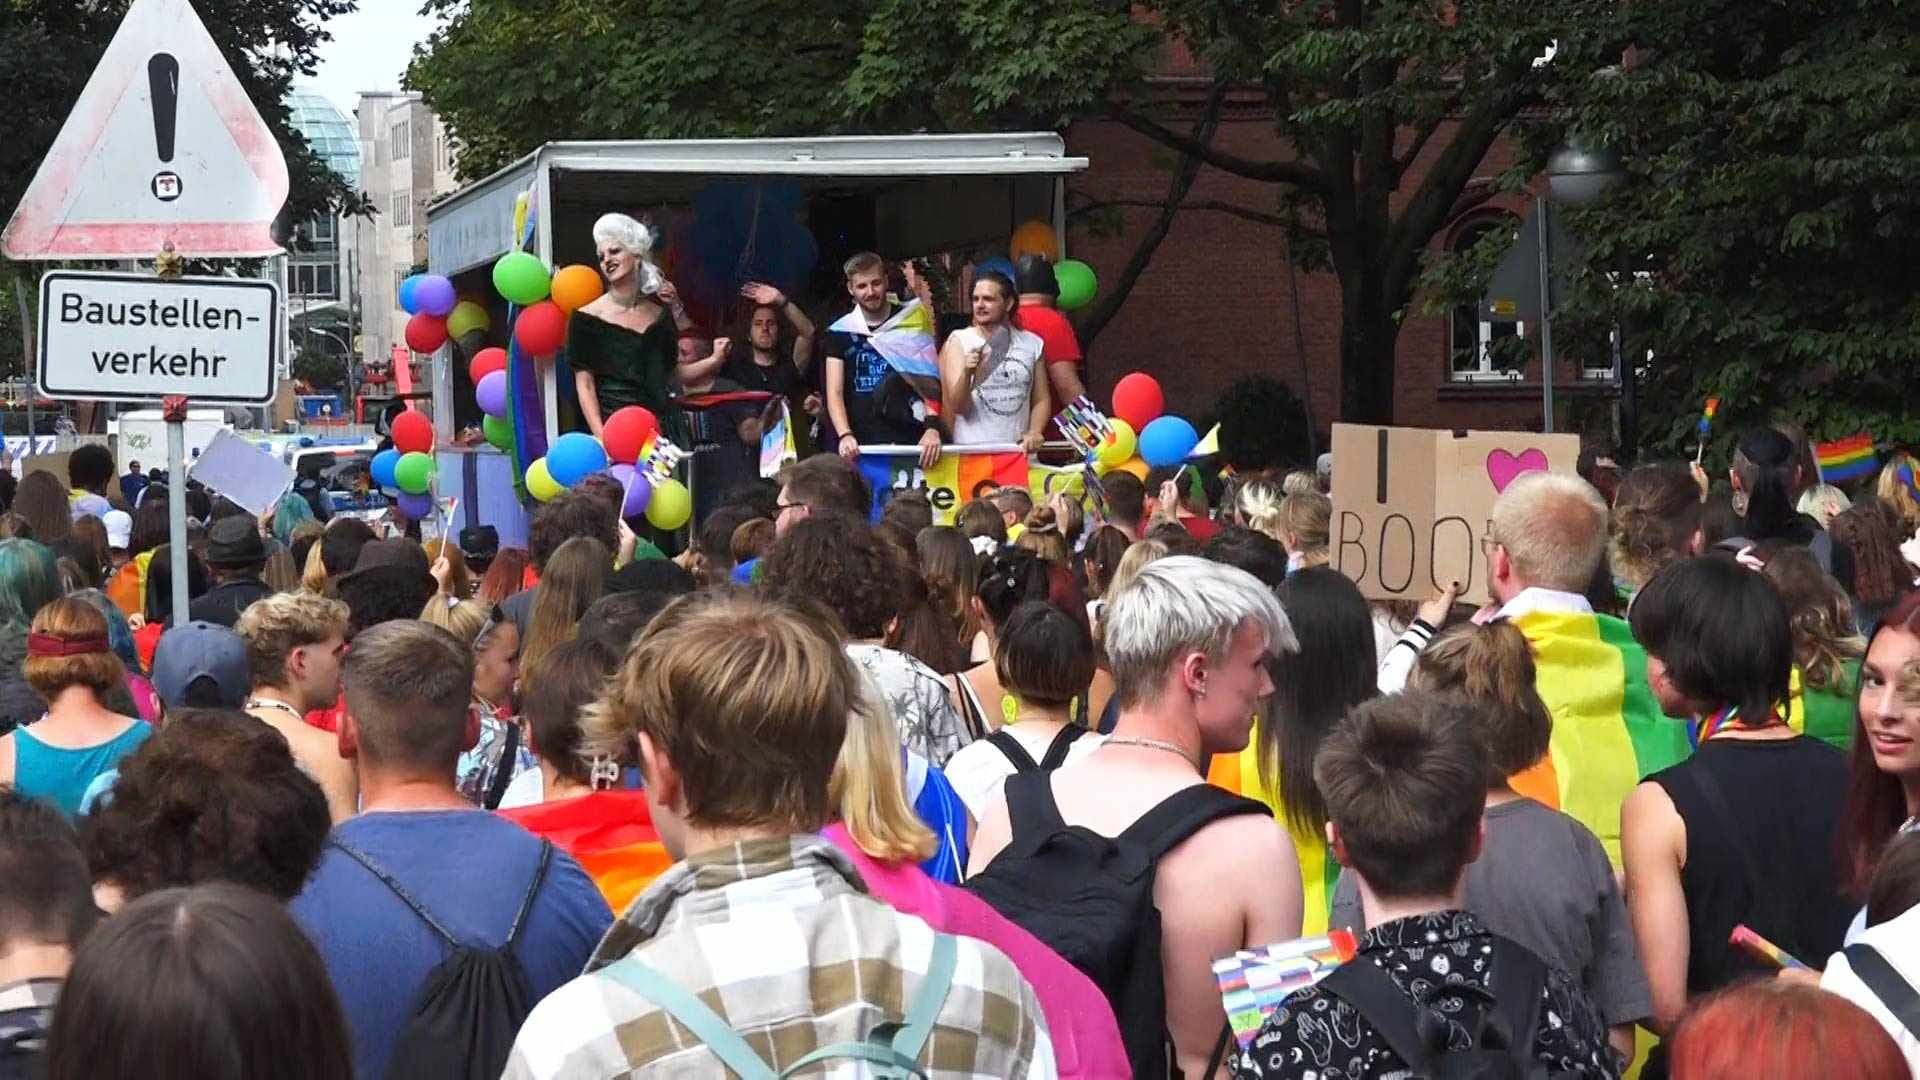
(634, 237)
(1179, 605)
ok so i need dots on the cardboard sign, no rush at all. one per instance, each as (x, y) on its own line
(1410, 506)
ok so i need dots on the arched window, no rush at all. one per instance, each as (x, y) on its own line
(1480, 349)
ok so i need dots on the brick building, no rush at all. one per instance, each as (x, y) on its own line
(1215, 301)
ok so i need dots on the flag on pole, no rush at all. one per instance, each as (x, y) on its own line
(1846, 459)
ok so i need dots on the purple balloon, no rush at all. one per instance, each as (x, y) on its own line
(415, 507)
(434, 296)
(639, 489)
(491, 394)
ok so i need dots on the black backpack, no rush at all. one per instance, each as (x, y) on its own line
(1502, 1048)
(1090, 898)
(1056, 752)
(464, 1019)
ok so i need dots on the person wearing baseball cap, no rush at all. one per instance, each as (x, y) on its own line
(236, 555)
(200, 665)
(1040, 314)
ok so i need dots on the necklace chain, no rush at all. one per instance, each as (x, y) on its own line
(269, 703)
(1150, 744)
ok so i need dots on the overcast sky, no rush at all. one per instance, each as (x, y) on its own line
(369, 50)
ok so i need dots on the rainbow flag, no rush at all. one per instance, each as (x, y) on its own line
(1319, 870)
(1846, 459)
(609, 833)
(959, 477)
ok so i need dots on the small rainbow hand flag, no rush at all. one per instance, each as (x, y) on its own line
(1706, 416)
(1846, 459)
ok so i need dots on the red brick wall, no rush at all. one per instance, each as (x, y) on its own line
(1214, 302)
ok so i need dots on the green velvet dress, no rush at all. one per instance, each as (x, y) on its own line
(629, 367)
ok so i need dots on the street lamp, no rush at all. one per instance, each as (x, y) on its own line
(1576, 176)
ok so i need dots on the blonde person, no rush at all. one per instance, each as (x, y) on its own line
(878, 830)
(1899, 487)
(1042, 535)
(313, 575)
(574, 578)
(1257, 504)
(498, 660)
(1304, 520)
(70, 664)
(1827, 648)
(295, 642)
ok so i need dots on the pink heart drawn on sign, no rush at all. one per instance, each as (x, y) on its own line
(1502, 466)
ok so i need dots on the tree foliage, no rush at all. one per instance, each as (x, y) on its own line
(1772, 214)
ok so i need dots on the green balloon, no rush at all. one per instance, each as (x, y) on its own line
(1077, 284)
(413, 473)
(499, 432)
(522, 278)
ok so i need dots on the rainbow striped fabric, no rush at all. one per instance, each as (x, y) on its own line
(1846, 459)
(609, 833)
(1319, 870)
(960, 476)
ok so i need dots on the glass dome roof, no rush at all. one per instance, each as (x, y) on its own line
(331, 135)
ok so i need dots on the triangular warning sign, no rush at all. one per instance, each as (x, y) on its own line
(162, 147)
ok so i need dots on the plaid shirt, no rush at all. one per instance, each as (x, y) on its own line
(781, 939)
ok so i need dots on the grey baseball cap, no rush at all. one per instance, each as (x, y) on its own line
(198, 650)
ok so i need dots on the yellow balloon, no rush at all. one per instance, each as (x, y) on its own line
(1119, 444)
(575, 287)
(670, 506)
(540, 483)
(1135, 466)
(1034, 238)
(465, 318)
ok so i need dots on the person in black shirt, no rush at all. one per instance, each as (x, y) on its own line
(1403, 780)
(867, 401)
(761, 361)
(237, 555)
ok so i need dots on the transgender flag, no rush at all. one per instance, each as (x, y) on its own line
(905, 342)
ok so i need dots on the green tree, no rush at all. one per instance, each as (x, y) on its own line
(321, 369)
(1771, 215)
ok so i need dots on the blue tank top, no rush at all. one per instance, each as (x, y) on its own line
(61, 776)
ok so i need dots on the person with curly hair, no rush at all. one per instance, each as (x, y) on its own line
(839, 563)
(216, 796)
(1655, 520)
(1827, 647)
(1870, 529)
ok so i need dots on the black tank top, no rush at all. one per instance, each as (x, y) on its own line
(1784, 798)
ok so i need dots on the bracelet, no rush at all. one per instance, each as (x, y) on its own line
(845, 435)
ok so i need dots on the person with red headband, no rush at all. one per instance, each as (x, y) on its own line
(71, 665)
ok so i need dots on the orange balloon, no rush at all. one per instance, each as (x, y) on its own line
(575, 287)
(1035, 238)
(1136, 466)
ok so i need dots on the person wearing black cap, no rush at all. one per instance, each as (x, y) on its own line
(481, 545)
(236, 555)
(1040, 315)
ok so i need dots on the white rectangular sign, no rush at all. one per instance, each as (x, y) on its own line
(133, 337)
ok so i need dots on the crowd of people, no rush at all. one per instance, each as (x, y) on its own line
(836, 790)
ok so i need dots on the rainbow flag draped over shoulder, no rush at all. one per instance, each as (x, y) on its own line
(609, 833)
(905, 342)
(1845, 459)
(1319, 870)
(1608, 730)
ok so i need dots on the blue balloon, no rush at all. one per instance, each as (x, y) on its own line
(381, 468)
(1167, 441)
(575, 456)
(998, 264)
(409, 301)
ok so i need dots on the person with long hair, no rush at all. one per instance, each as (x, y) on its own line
(1763, 475)
(575, 577)
(1883, 771)
(920, 628)
(1655, 520)
(991, 386)
(503, 751)
(213, 982)
(951, 570)
(159, 597)
(1257, 506)
(1741, 832)
(1869, 531)
(880, 831)
(1776, 1028)
(1826, 646)
(72, 667)
(42, 500)
(1333, 670)
(1898, 486)
(1542, 878)
(504, 576)
(1041, 534)
(29, 581)
(1304, 521)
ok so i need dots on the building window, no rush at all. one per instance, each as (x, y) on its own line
(321, 228)
(314, 280)
(402, 137)
(402, 210)
(1484, 350)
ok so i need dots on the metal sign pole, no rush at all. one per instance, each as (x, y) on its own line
(1546, 313)
(173, 410)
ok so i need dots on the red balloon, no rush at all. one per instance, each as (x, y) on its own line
(426, 333)
(627, 431)
(486, 362)
(541, 329)
(1137, 400)
(412, 433)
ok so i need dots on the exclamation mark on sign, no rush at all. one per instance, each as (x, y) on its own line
(163, 82)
